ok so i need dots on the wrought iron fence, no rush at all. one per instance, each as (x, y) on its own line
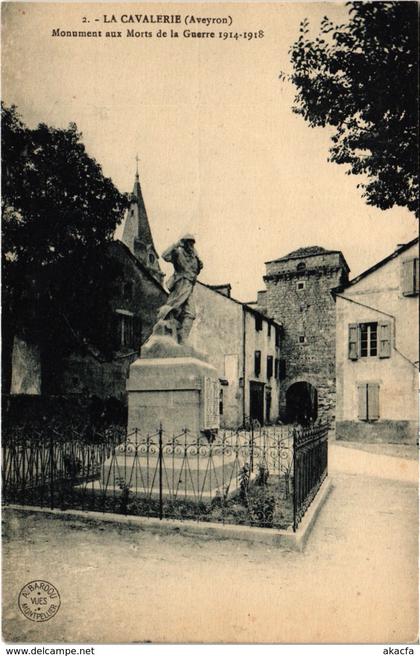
(310, 466)
(262, 476)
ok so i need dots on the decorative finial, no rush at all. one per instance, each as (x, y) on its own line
(137, 166)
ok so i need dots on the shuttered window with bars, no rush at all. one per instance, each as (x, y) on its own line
(127, 329)
(371, 339)
(410, 276)
(368, 401)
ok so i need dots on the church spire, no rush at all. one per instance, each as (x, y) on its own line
(137, 188)
(137, 232)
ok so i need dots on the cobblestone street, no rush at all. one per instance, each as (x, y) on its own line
(356, 581)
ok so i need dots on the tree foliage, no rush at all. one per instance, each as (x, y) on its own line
(59, 213)
(55, 199)
(361, 78)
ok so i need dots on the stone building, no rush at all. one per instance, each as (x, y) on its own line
(244, 346)
(378, 351)
(132, 313)
(298, 295)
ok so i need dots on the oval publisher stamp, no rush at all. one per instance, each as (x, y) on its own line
(39, 601)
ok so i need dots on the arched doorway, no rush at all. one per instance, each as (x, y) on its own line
(301, 403)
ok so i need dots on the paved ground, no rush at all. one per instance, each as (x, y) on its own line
(356, 581)
(409, 451)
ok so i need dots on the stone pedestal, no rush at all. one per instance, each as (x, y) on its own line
(173, 385)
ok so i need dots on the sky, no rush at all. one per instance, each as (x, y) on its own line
(221, 153)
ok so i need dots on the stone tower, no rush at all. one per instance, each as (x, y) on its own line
(136, 233)
(298, 295)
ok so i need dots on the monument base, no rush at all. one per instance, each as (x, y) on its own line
(173, 406)
(173, 386)
(181, 477)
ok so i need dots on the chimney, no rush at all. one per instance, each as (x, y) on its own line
(262, 300)
(222, 289)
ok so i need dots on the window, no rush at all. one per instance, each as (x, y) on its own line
(258, 322)
(410, 276)
(368, 339)
(126, 330)
(368, 401)
(269, 330)
(151, 258)
(371, 339)
(302, 339)
(300, 285)
(257, 363)
(269, 366)
(278, 336)
(221, 401)
(301, 266)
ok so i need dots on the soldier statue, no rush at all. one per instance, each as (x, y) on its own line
(178, 313)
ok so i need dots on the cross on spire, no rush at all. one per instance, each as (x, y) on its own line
(137, 165)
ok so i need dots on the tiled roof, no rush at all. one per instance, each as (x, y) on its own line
(306, 251)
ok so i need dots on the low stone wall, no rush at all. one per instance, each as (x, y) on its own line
(393, 432)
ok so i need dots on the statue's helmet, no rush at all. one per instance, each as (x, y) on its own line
(188, 237)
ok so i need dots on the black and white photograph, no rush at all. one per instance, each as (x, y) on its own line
(210, 307)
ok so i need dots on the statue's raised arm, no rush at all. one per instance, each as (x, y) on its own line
(170, 252)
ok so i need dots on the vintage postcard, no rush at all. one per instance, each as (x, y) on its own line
(210, 360)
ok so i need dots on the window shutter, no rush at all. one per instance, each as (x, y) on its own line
(410, 276)
(362, 401)
(353, 341)
(384, 337)
(373, 401)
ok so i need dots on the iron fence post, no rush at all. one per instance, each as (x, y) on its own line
(51, 471)
(251, 457)
(294, 481)
(160, 472)
(23, 472)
